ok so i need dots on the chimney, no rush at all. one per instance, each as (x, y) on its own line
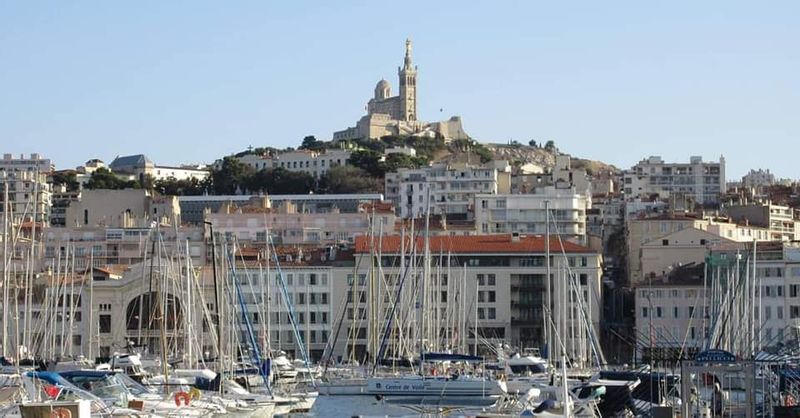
(515, 237)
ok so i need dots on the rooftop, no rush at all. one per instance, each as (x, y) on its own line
(476, 244)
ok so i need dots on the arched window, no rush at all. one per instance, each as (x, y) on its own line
(144, 309)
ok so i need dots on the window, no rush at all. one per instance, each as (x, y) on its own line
(481, 297)
(644, 312)
(658, 312)
(491, 296)
(793, 290)
(794, 312)
(664, 242)
(491, 280)
(768, 312)
(691, 312)
(491, 313)
(675, 313)
(584, 278)
(105, 324)
(779, 312)
(480, 280)
(481, 313)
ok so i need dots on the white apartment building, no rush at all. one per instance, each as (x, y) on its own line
(25, 180)
(525, 213)
(450, 189)
(702, 182)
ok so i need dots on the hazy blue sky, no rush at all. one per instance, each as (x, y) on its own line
(191, 81)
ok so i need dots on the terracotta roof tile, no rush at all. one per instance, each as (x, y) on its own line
(488, 244)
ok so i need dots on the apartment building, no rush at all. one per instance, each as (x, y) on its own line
(698, 181)
(525, 213)
(25, 182)
(670, 314)
(287, 225)
(194, 208)
(499, 278)
(674, 311)
(665, 246)
(104, 246)
(448, 189)
(758, 179)
(782, 221)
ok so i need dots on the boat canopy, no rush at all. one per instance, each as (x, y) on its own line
(450, 357)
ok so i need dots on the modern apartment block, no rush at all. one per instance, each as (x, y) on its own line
(525, 213)
(25, 181)
(699, 181)
(451, 189)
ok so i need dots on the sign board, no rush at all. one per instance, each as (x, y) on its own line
(715, 356)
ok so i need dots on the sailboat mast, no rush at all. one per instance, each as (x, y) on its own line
(5, 264)
(189, 306)
(548, 291)
(91, 301)
(425, 272)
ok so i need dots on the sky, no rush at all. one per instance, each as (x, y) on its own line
(191, 81)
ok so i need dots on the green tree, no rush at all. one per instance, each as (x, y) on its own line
(174, 187)
(369, 161)
(396, 161)
(103, 178)
(231, 176)
(311, 143)
(532, 143)
(550, 146)
(280, 181)
(347, 179)
(67, 178)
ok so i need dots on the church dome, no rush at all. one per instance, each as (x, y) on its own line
(383, 90)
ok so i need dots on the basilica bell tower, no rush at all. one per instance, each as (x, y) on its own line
(408, 87)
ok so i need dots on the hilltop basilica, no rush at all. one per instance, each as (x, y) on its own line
(397, 115)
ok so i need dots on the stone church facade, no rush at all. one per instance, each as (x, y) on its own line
(397, 115)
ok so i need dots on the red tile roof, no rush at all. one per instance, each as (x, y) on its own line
(488, 244)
